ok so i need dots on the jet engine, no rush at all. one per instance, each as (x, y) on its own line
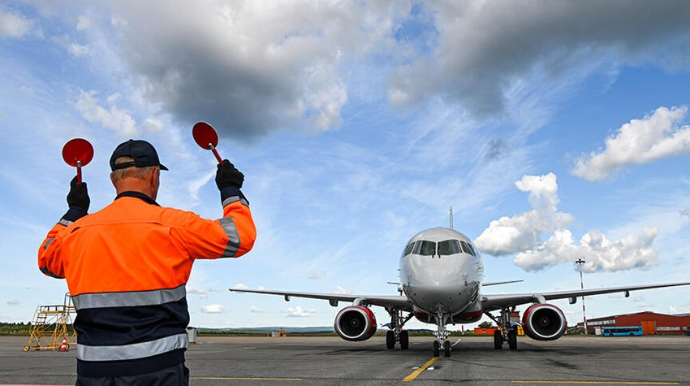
(544, 322)
(355, 323)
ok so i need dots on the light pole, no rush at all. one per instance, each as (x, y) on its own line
(580, 262)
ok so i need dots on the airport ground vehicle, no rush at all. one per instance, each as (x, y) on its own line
(622, 331)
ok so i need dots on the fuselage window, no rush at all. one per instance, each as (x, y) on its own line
(424, 248)
(466, 248)
(448, 247)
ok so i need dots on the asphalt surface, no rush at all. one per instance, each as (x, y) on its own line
(330, 361)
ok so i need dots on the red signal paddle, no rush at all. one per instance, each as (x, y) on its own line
(77, 152)
(206, 137)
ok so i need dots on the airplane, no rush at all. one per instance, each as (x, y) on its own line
(441, 280)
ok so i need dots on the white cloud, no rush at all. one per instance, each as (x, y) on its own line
(299, 312)
(256, 310)
(13, 25)
(599, 253)
(213, 309)
(522, 235)
(113, 117)
(225, 62)
(509, 235)
(685, 212)
(13, 303)
(342, 291)
(240, 286)
(83, 23)
(637, 142)
(676, 310)
(195, 290)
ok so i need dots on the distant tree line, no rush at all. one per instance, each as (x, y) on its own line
(15, 328)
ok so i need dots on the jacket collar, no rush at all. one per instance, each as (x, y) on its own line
(138, 195)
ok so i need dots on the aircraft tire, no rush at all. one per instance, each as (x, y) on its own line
(498, 340)
(404, 340)
(390, 340)
(446, 349)
(512, 339)
(437, 350)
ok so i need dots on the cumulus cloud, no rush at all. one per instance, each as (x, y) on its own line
(240, 286)
(256, 310)
(252, 68)
(529, 39)
(523, 235)
(249, 68)
(637, 142)
(195, 290)
(299, 312)
(213, 309)
(113, 117)
(509, 235)
(342, 291)
(13, 25)
(599, 253)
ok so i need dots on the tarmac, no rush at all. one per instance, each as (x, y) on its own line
(330, 361)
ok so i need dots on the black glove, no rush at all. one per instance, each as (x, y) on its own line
(228, 176)
(78, 195)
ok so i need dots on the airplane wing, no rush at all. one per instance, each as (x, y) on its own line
(397, 302)
(495, 302)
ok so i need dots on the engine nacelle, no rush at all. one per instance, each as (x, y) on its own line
(355, 323)
(544, 322)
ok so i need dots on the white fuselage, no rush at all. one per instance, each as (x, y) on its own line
(441, 272)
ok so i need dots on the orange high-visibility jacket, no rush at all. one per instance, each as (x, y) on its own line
(126, 268)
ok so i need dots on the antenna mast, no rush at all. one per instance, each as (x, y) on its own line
(451, 217)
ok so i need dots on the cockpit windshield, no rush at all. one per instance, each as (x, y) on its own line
(449, 247)
(442, 248)
(425, 248)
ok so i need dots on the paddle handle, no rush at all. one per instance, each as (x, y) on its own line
(215, 153)
(79, 173)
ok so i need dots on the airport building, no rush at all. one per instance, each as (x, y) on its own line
(650, 322)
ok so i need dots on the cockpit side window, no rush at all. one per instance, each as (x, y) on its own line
(448, 247)
(467, 248)
(408, 249)
(473, 248)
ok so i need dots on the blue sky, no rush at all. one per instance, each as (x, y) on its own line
(556, 130)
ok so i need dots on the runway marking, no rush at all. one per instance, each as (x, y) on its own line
(242, 379)
(595, 383)
(414, 374)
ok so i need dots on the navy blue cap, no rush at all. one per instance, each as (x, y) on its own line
(144, 154)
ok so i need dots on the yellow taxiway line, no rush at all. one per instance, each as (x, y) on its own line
(594, 383)
(414, 375)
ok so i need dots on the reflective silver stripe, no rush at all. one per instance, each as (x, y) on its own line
(132, 351)
(47, 243)
(129, 299)
(230, 229)
(232, 199)
(65, 222)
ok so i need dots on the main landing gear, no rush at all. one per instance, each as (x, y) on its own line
(396, 333)
(506, 332)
